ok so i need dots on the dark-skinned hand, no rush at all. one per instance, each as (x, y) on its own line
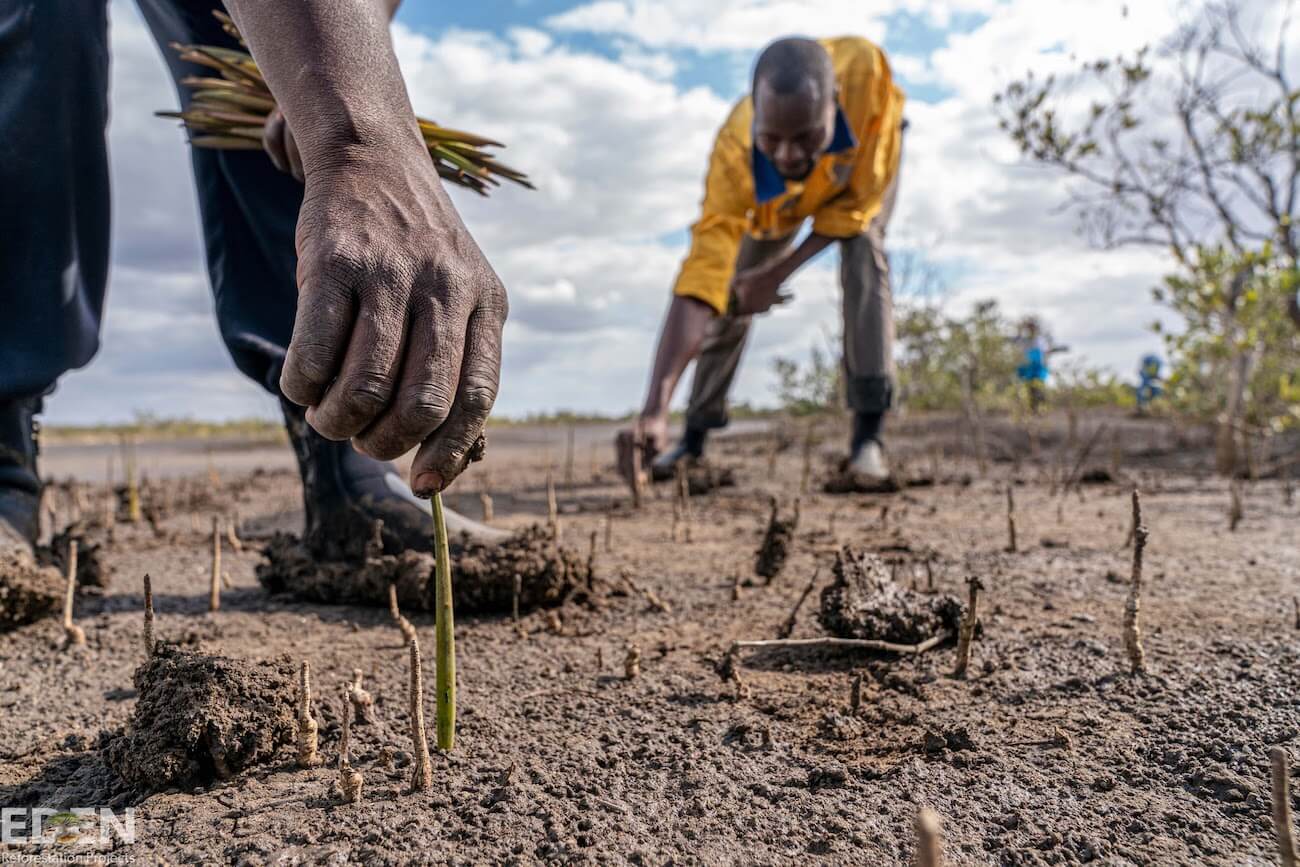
(397, 341)
(758, 290)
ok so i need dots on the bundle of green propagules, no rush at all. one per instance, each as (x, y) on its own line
(229, 113)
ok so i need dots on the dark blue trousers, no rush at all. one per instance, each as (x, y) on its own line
(54, 199)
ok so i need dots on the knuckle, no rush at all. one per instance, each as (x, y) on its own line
(310, 362)
(424, 408)
(366, 393)
(478, 400)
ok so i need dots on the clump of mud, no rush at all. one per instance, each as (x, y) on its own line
(202, 718)
(864, 602)
(772, 553)
(91, 569)
(702, 477)
(483, 575)
(28, 591)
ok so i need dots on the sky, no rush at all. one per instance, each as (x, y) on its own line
(611, 107)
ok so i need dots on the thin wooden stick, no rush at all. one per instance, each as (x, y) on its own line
(929, 844)
(1132, 608)
(148, 616)
(214, 584)
(72, 632)
(406, 627)
(632, 662)
(350, 780)
(788, 626)
(422, 776)
(684, 497)
(232, 535)
(846, 643)
(307, 728)
(1011, 521)
(1282, 823)
(552, 507)
(966, 633)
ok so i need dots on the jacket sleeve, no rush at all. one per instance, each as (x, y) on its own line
(710, 265)
(879, 146)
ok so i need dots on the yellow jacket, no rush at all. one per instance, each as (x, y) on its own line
(842, 194)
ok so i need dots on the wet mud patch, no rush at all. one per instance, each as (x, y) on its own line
(702, 477)
(775, 547)
(863, 602)
(483, 575)
(29, 591)
(202, 718)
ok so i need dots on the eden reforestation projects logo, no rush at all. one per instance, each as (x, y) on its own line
(84, 829)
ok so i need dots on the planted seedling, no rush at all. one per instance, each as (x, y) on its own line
(307, 755)
(1011, 522)
(422, 775)
(1282, 823)
(929, 844)
(148, 617)
(444, 634)
(214, 583)
(406, 627)
(74, 634)
(966, 633)
(350, 780)
(362, 702)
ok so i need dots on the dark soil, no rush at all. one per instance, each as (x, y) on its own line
(863, 602)
(92, 570)
(28, 591)
(1048, 752)
(201, 718)
(702, 477)
(775, 548)
(483, 582)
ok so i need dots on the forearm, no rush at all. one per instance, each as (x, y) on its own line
(683, 333)
(332, 69)
(814, 244)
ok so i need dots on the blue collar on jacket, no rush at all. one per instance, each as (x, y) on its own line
(768, 183)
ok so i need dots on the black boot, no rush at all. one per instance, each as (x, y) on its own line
(345, 492)
(20, 484)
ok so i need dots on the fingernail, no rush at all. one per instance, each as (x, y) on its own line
(427, 484)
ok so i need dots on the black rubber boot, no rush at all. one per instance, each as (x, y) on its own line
(345, 492)
(20, 484)
(690, 448)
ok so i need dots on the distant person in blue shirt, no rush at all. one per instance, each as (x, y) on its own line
(1150, 386)
(1033, 371)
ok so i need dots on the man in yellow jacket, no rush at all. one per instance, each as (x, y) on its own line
(819, 137)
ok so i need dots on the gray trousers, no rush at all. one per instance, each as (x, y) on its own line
(868, 319)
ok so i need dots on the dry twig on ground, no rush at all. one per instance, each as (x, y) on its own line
(1283, 826)
(1132, 608)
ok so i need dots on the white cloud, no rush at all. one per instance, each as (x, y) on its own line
(747, 24)
(618, 149)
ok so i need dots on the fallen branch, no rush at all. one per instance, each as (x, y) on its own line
(845, 643)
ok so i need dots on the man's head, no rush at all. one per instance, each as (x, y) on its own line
(794, 105)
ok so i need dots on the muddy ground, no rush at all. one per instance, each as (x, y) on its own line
(1050, 752)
